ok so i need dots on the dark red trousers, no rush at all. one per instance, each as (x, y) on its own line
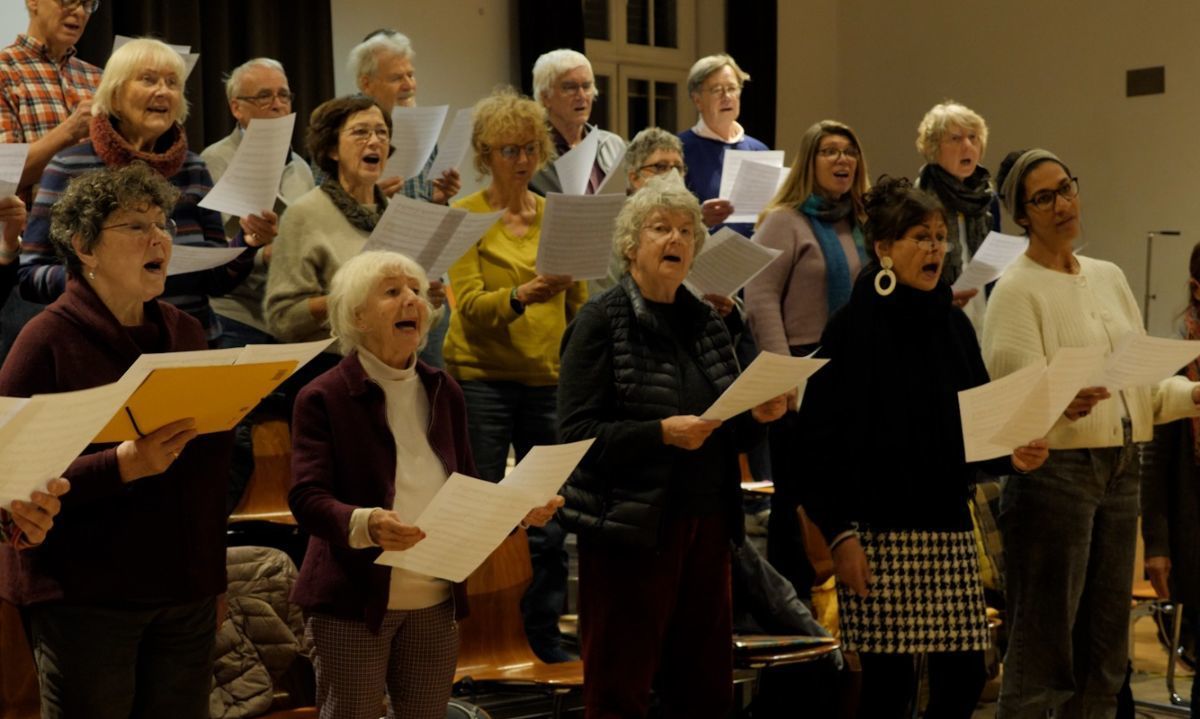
(663, 612)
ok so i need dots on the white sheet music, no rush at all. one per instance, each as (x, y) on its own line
(753, 188)
(767, 377)
(71, 418)
(993, 257)
(434, 236)
(1068, 372)
(455, 143)
(192, 258)
(575, 167)
(616, 182)
(150, 361)
(542, 471)
(1139, 360)
(728, 262)
(415, 132)
(12, 164)
(734, 159)
(986, 409)
(302, 352)
(577, 235)
(251, 182)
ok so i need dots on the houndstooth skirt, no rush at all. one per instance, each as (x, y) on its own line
(925, 595)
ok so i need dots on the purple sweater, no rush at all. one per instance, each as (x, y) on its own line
(343, 458)
(157, 540)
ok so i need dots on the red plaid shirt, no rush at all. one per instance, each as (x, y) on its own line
(38, 94)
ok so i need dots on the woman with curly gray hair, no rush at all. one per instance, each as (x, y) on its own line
(120, 599)
(656, 501)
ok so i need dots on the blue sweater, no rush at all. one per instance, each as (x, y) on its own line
(704, 159)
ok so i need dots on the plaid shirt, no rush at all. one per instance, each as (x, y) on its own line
(37, 94)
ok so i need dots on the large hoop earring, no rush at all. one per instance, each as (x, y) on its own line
(885, 273)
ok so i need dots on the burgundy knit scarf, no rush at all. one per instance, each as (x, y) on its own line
(116, 151)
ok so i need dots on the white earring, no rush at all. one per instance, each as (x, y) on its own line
(885, 273)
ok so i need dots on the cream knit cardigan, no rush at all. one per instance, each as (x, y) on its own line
(1034, 310)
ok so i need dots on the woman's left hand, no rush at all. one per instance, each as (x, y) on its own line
(446, 186)
(1031, 456)
(722, 304)
(538, 516)
(12, 217)
(962, 297)
(35, 517)
(770, 410)
(1196, 394)
(437, 293)
(260, 230)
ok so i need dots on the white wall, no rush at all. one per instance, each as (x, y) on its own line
(14, 19)
(1048, 74)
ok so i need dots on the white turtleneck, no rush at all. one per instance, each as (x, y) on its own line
(419, 475)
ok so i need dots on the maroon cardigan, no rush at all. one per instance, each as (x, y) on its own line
(158, 540)
(343, 458)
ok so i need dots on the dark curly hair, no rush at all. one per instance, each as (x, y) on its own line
(325, 124)
(90, 198)
(893, 205)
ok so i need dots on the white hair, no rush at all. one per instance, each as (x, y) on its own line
(233, 81)
(130, 59)
(364, 58)
(554, 63)
(352, 284)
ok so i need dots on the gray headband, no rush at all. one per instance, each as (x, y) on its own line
(1008, 190)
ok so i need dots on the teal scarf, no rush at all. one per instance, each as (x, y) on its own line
(823, 215)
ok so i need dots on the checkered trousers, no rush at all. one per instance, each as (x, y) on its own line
(413, 657)
(37, 94)
(925, 595)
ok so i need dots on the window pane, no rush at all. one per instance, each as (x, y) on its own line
(665, 108)
(595, 19)
(637, 22)
(639, 106)
(600, 104)
(666, 15)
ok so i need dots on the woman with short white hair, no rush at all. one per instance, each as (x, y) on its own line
(374, 439)
(564, 84)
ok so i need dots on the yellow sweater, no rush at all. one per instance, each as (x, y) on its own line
(488, 340)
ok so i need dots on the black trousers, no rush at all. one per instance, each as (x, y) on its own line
(955, 681)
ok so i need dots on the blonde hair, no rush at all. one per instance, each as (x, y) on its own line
(353, 283)
(706, 66)
(504, 114)
(659, 193)
(938, 121)
(552, 64)
(127, 61)
(802, 180)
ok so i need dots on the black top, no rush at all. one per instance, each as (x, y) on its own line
(880, 423)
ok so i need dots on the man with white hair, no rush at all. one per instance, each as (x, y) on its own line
(259, 89)
(564, 84)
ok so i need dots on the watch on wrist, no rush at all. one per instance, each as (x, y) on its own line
(515, 303)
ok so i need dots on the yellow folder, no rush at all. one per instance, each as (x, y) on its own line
(216, 396)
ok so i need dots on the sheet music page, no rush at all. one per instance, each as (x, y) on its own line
(416, 229)
(469, 231)
(301, 352)
(455, 144)
(12, 164)
(544, 469)
(729, 261)
(147, 362)
(734, 158)
(463, 524)
(767, 377)
(1068, 372)
(616, 182)
(575, 167)
(251, 182)
(993, 257)
(577, 235)
(193, 258)
(415, 132)
(1140, 360)
(72, 419)
(986, 409)
(756, 183)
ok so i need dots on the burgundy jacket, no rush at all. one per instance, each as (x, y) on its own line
(343, 458)
(158, 540)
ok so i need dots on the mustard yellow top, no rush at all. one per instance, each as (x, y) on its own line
(488, 339)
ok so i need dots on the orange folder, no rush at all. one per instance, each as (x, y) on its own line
(216, 396)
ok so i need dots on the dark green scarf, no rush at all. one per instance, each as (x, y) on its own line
(972, 198)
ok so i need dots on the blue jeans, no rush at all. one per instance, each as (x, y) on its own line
(432, 354)
(1069, 532)
(500, 414)
(239, 334)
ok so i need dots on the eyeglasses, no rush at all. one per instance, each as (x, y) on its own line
(719, 90)
(836, 153)
(570, 88)
(932, 245)
(663, 230)
(362, 134)
(1045, 199)
(266, 97)
(662, 168)
(512, 152)
(89, 6)
(146, 230)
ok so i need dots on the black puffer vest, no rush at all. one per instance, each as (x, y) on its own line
(629, 512)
